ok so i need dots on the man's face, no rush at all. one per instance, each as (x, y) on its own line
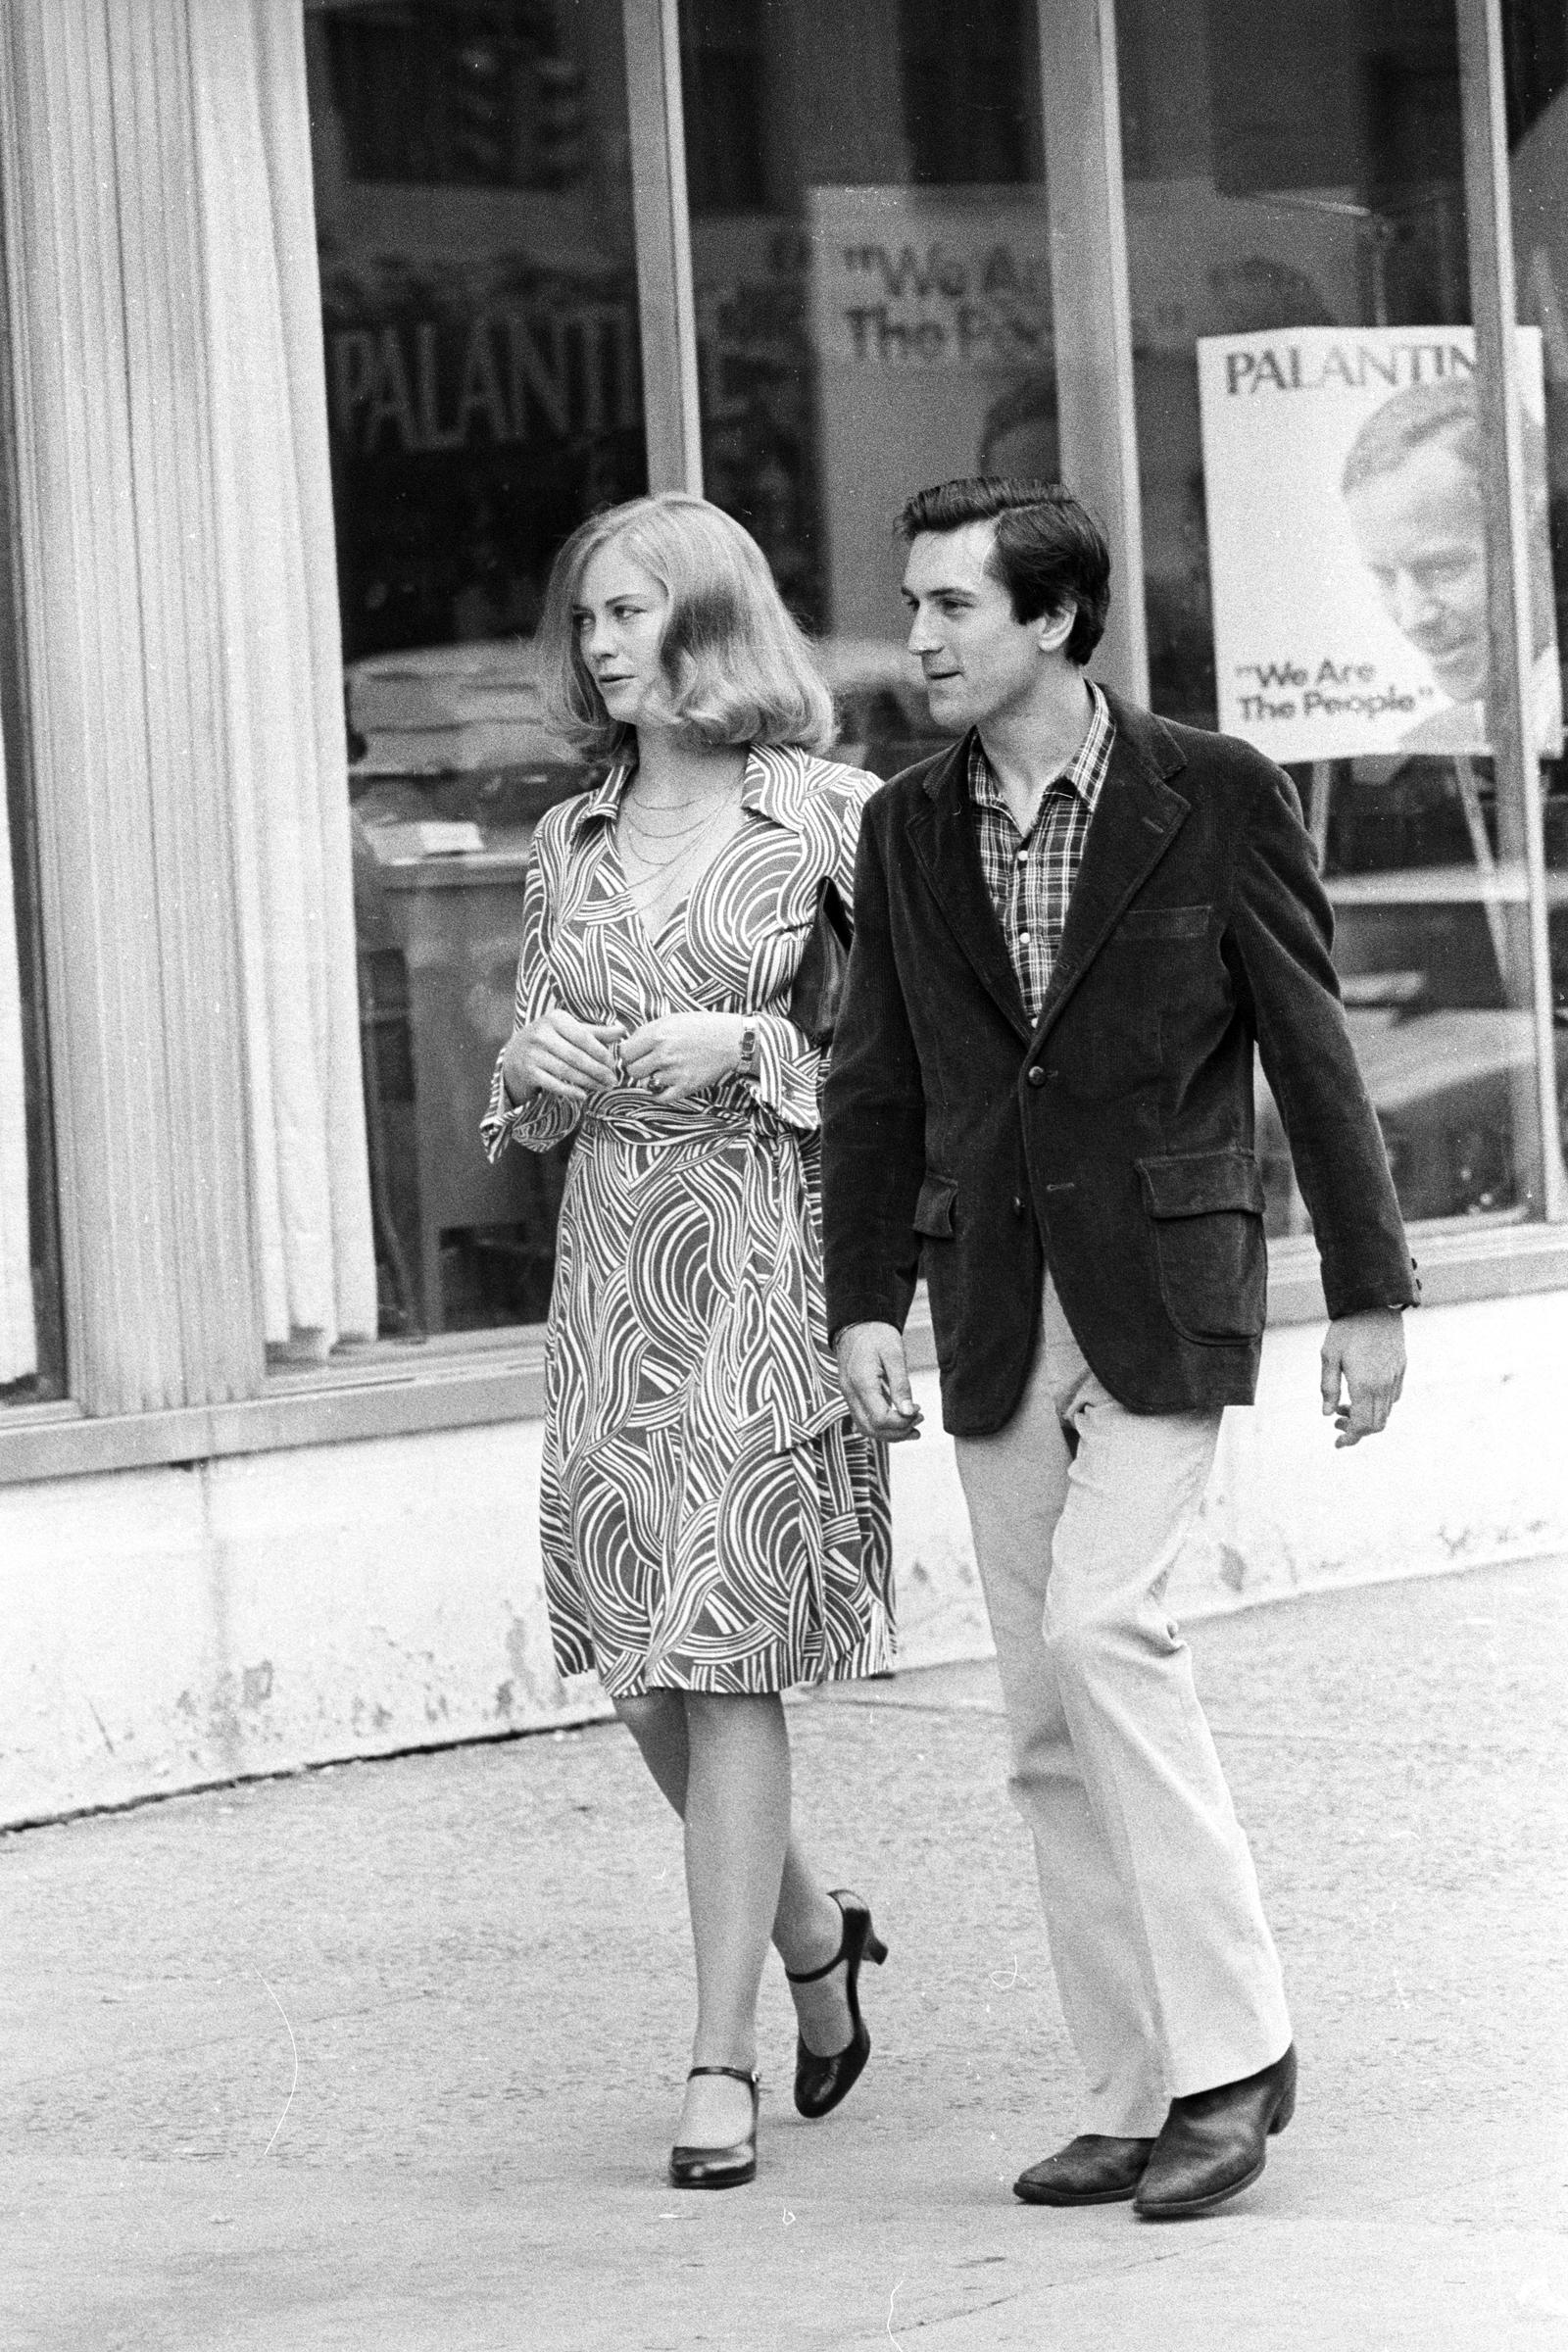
(978, 662)
(1421, 530)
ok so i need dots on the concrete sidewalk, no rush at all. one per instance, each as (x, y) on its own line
(388, 2055)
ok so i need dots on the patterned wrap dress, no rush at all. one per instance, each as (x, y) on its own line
(711, 1518)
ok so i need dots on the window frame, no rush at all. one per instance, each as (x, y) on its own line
(186, 1381)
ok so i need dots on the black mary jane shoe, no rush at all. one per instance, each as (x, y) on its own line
(821, 2082)
(718, 2168)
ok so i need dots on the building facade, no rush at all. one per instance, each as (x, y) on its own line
(325, 322)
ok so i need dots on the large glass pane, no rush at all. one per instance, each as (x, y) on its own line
(32, 1338)
(473, 203)
(1536, 49)
(870, 254)
(1315, 533)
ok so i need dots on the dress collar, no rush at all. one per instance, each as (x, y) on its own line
(777, 785)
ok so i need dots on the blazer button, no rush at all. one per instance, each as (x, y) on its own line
(1017, 1204)
(1037, 1076)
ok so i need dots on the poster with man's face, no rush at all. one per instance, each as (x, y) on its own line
(1347, 537)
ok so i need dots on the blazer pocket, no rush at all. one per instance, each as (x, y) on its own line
(1206, 1210)
(933, 1212)
(1163, 922)
(939, 1263)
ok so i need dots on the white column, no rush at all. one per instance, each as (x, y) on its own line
(123, 685)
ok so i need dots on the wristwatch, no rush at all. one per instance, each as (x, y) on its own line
(749, 1060)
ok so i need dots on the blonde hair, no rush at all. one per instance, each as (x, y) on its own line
(737, 667)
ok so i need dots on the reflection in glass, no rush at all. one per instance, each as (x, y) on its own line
(1295, 205)
(1535, 53)
(871, 254)
(478, 293)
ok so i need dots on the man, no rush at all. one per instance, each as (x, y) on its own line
(1070, 928)
(1412, 491)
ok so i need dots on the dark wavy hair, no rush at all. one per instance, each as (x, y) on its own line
(1049, 551)
(736, 665)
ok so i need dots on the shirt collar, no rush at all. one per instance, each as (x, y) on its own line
(777, 785)
(1084, 773)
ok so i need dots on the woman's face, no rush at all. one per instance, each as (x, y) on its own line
(619, 618)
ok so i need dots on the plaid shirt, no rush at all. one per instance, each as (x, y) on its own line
(1030, 877)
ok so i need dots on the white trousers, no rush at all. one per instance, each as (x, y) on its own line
(1168, 1975)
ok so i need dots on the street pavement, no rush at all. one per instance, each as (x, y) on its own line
(387, 2057)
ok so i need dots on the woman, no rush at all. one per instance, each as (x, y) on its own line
(714, 1528)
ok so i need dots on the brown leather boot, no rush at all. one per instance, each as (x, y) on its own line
(1214, 2144)
(1092, 2169)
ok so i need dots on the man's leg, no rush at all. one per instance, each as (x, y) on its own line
(1152, 1777)
(1167, 1975)
(1015, 1483)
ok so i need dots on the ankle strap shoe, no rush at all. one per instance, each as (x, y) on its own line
(719, 2168)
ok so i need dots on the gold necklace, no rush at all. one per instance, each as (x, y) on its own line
(694, 833)
(638, 825)
(637, 816)
(690, 802)
(657, 867)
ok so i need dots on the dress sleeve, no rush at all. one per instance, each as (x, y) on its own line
(543, 1119)
(790, 1068)
(788, 1072)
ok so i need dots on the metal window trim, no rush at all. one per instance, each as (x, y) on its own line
(1489, 225)
(666, 302)
(377, 1397)
(1092, 308)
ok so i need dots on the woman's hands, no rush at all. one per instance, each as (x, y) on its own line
(682, 1052)
(674, 1057)
(559, 1054)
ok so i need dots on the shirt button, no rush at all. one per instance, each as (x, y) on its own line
(1023, 856)
(1037, 1076)
(1023, 939)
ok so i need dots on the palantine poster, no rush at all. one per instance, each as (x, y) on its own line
(1346, 541)
(930, 325)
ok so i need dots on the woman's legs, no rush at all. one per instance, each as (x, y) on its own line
(808, 1923)
(723, 1763)
(737, 1821)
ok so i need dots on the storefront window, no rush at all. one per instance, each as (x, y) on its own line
(873, 309)
(473, 205)
(1536, 50)
(31, 1339)
(1316, 539)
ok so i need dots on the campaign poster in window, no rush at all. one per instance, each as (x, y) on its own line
(930, 316)
(1348, 543)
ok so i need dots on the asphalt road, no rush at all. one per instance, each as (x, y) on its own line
(388, 2055)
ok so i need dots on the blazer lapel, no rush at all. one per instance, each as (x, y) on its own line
(1134, 821)
(942, 836)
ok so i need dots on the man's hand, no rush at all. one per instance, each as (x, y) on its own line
(1366, 1355)
(876, 1382)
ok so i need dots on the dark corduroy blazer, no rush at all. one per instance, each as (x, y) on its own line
(1117, 1137)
